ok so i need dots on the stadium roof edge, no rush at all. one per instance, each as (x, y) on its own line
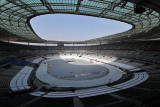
(16, 14)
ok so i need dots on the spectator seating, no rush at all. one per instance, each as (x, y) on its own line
(142, 87)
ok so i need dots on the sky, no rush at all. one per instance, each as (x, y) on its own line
(68, 27)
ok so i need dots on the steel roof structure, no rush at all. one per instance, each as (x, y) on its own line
(15, 16)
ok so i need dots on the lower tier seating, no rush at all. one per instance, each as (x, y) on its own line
(143, 55)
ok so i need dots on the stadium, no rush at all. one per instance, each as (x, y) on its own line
(119, 70)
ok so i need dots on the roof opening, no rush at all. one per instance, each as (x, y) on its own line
(68, 27)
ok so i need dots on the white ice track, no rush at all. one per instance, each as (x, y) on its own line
(36, 61)
(138, 78)
(20, 82)
(45, 77)
(125, 66)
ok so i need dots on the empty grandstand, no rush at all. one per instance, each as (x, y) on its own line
(121, 70)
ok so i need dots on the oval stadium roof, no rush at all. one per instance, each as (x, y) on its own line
(16, 14)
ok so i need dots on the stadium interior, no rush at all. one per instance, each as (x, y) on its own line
(135, 54)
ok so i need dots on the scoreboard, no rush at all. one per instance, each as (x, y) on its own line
(60, 44)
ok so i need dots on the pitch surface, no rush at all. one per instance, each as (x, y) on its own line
(75, 69)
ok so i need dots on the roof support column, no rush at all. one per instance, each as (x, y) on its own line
(78, 4)
(28, 42)
(77, 102)
(8, 39)
(45, 3)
